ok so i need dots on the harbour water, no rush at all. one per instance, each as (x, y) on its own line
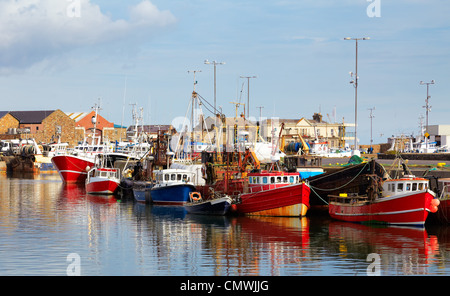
(47, 228)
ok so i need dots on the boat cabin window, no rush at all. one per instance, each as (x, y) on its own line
(414, 187)
(408, 186)
(291, 179)
(179, 177)
(264, 179)
(420, 186)
(400, 187)
(285, 179)
(173, 177)
(278, 179)
(272, 180)
(185, 177)
(166, 177)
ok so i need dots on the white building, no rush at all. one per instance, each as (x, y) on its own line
(335, 134)
(440, 134)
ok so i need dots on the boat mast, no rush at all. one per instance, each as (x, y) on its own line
(94, 121)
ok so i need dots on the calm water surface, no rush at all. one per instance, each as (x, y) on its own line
(42, 221)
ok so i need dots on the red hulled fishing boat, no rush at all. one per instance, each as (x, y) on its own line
(73, 166)
(404, 201)
(274, 193)
(102, 180)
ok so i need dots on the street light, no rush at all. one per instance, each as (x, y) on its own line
(355, 83)
(427, 108)
(248, 94)
(214, 63)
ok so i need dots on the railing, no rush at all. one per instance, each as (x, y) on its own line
(262, 187)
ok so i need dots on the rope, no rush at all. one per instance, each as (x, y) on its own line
(318, 195)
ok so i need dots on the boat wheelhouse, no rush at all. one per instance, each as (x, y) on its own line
(404, 185)
(172, 187)
(270, 180)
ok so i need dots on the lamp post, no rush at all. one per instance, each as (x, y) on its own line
(427, 108)
(248, 94)
(355, 84)
(214, 63)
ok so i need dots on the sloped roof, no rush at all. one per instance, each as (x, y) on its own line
(31, 116)
(3, 113)
(77, 116)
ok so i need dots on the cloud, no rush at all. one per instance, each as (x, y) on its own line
(33, 30)
(146, 13)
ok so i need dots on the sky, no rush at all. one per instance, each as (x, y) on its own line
(67, 54)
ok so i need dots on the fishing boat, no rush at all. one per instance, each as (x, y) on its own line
(172, 187)
(274, 193)
(215, 206)
(74, 165)
(101, 180)
(403, 201)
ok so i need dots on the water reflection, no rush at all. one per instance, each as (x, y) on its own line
(402, 250)
(42, 221)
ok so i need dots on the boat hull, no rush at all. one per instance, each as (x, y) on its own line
(141, 191)
(218, 206)
(171, 195)
(286, 201)
(72, 169)
(406, 209)
(102, 186)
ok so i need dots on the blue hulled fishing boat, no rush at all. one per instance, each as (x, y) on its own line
(173, 187)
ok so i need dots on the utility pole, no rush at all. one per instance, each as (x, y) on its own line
(371, 116)
(260, 119)
(428, 109)
(214, 63)
(355, 84)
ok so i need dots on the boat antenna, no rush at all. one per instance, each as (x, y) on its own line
(195, 81)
